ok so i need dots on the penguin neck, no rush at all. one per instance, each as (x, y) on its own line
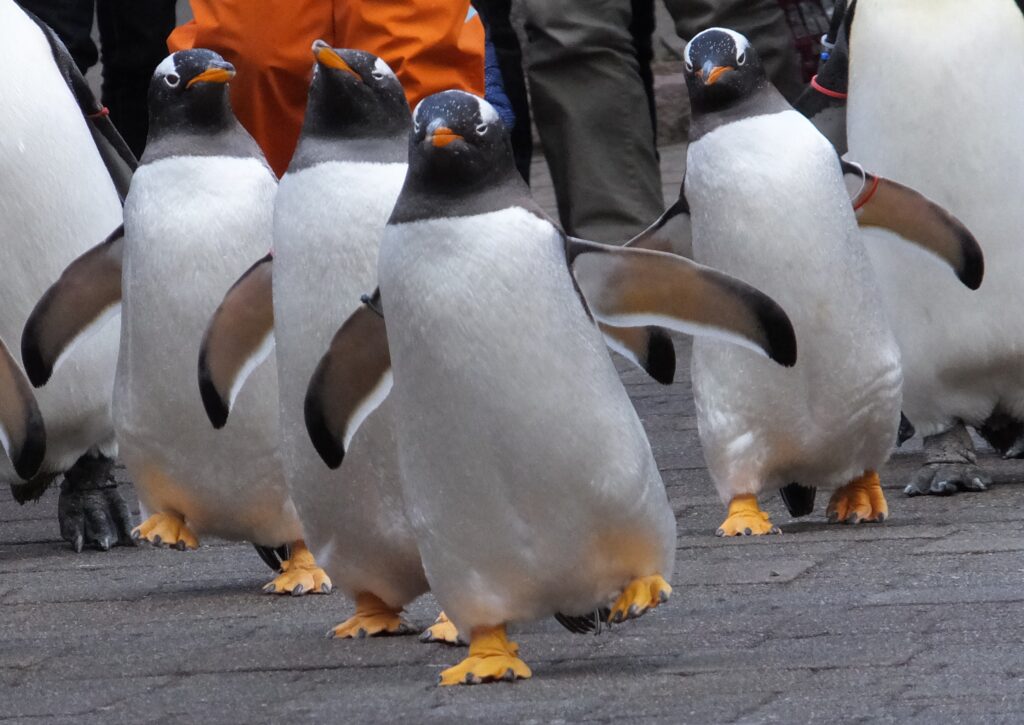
(429, 193)
(317, 148)
(762, 101)
(228, 138)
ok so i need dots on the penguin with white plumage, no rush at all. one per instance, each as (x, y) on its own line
(329, 216)
(935, 102)
(767, 199)
(526, 473)
(63, 168)
(200, 207)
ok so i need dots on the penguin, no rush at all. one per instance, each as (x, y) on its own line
(526, 473)
(63, 169)
(329, 216)
(916, 116)
(200, 205)
(766, 199)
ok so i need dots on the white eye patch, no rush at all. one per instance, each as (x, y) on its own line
(487, 113)
(382, 69)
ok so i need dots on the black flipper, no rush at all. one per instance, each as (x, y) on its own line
(585, 623)
(799, 499)
(117, 157)
(272, 557)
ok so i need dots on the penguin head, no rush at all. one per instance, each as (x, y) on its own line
(189, 90)
(354, 94)
(459, 139)
(721, 67)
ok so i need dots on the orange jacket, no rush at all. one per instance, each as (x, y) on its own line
(432, 45)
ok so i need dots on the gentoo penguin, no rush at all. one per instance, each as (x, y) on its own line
(765, 199)
(58, 200)
(200, 206)
(526, 474)
(915, 115)
(329, 216)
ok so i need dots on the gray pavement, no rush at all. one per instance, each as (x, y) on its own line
(915, 620)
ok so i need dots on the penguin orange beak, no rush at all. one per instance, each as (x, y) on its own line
(710, 74)
(329, 58)
(214, 74)
(442, 136)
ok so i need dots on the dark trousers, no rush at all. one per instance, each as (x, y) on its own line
(133, 41)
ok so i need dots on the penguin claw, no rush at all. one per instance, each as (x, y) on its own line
(299, 575)
(442, 631)
(492, 658)
(639, 597)
(166, 527)
(946, 479)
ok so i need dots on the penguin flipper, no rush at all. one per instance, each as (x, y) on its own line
(239, 337)
(87, 294)
(351, 381)
(117, 156)
(626, 287)
(672, 232)
(880, 202)
(22, 432)
(649, 348)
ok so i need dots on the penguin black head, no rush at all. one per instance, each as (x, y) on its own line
(189, 92)
(354, 94)
(722, 67)
(459, 140)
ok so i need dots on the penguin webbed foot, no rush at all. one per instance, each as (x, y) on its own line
(639, 597)
(166, 529)
(946, 479)
(373, 618)
(92, 510)
(746, 518)
(442, 631)
(299, 575)
(950, 466)
(860, 501)
(492, 658)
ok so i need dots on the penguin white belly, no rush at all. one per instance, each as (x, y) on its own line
(916, 116)
(56, 201)
(328, 221)
(527, 474)
(770, 207)
(192, 226)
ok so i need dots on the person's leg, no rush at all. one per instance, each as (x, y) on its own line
(72, 21)
(510, 59)
(642, 30)
(762, 21)
(591, 109)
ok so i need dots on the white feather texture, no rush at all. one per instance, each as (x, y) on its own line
(770, 207)
(936, 103)
(328, 222)
(192, 226)
(56, 202)
(528, 477)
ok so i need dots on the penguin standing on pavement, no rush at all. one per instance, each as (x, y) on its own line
(199, 208)
(766, 199)
(526, 473)
(62, 167)
(329, 217)
(935, 102)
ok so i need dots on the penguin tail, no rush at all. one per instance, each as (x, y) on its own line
(585, 623)
(272, 556)
(799, 499)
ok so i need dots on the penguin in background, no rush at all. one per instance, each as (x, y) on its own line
(65, 169)
(526, 473)
(329, 216)
(767, 199)
(918, 116)
(199, 208)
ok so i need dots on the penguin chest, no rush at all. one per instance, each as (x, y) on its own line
(769, 206)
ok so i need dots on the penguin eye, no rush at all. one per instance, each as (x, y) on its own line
(172, 79)
(416, 125)
(688, 65)
(377, 74)
(741, 58)
(481, 128)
